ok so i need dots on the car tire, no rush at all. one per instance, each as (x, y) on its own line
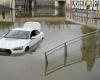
(26, 49)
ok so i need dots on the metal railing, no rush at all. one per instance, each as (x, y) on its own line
(65, 46)
(85, 17)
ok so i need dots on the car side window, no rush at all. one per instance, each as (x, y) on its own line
(37, 32)
(34, 33)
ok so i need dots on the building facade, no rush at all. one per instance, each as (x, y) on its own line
(7, 3)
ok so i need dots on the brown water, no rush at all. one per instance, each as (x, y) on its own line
(83, 54)
(31, 66)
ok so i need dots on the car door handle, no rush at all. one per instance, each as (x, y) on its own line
(33, 38)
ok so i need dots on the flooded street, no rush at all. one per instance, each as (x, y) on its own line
(78, 56)
(31, 66)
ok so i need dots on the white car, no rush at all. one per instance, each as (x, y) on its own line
(19, 40)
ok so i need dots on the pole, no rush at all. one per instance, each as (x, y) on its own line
(93, 5)
(46, 63)
(65, 57)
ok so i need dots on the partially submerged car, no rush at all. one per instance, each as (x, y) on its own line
(19, 40)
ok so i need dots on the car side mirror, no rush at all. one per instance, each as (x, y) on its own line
(33, 37)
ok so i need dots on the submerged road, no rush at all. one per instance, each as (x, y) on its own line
(31, 66)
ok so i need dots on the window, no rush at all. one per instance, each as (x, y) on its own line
(34, 33)
(18, 34)
(37, 32)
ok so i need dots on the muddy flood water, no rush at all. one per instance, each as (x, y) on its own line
(31, 65)
(78, 59)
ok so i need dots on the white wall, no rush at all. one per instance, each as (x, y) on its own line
(7, 3)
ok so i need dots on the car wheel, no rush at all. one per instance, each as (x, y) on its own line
(26, 49)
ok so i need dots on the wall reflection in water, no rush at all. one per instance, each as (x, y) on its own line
(90, 47)
(84, 16)
(5, 27)
(49, 12)
(85, 48)
(7, 15)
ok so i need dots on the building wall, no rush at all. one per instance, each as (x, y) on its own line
(8, 3)
(39, 2)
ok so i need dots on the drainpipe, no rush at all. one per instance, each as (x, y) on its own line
(93, 5)
(12, 4)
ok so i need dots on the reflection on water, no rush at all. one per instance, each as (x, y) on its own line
(75, 52)
(41, 12)
(7, 15)
(91, 46)
(89, 51)
(84, 16)
(30, 66)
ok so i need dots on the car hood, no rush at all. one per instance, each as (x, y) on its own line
(10, 43)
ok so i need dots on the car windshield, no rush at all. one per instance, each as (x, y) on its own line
(17, 34)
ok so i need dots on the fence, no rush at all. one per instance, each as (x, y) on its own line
(85, 16)
(69, 52)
